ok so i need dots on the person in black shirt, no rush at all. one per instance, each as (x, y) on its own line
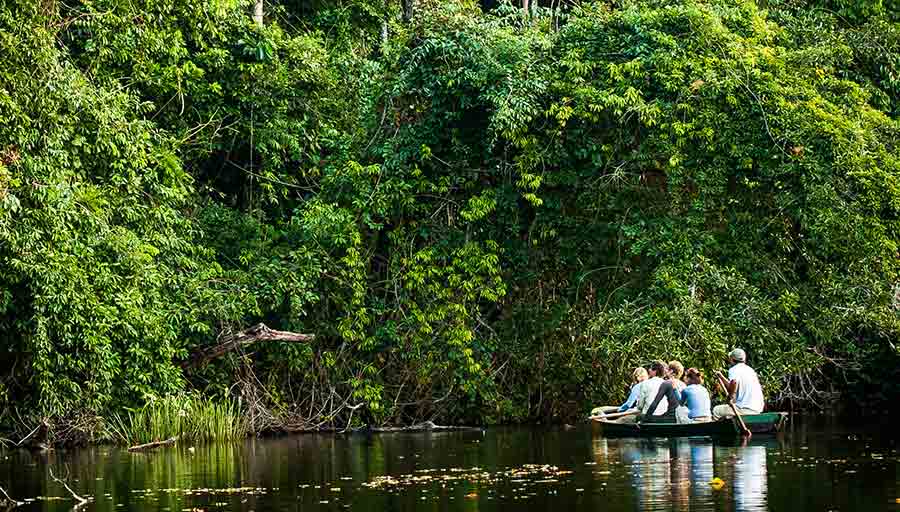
(668, 391)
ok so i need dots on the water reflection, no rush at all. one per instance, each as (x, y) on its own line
(520, 469)
(750, 478)
(677, 474)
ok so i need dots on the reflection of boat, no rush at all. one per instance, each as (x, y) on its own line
(766, 423)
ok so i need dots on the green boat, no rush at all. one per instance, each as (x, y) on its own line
(765, 423)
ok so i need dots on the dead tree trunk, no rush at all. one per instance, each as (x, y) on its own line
(407, 10)
(259, 332)
(258, 13)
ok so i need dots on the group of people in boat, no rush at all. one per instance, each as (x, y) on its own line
(666, 393)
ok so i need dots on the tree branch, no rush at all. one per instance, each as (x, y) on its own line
(79, 501)
(10, 503)
(154, 444)
(259, 332)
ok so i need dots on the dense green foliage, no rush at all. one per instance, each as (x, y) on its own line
(483, 216)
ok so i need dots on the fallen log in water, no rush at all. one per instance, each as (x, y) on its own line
(418, 427)
(154, 444)
(426, 426)
(259, 332)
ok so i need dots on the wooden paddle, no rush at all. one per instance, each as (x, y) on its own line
(724, 382)
(614, 415)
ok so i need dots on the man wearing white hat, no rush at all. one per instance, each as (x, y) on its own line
(743, 386)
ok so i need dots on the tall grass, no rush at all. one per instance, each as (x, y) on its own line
(190, 417)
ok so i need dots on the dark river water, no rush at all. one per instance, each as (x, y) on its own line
(814, 465)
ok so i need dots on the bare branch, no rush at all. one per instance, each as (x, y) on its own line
(79, 501)
(11, 502)
(154, 444)
(259, 332)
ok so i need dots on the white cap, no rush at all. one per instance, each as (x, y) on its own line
(738, 355)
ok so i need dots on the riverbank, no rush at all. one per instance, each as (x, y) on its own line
(192, 419)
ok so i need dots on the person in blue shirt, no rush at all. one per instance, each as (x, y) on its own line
(638, 376)
(694, 399)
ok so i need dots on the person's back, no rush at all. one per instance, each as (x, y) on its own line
(749, 393)
(670, 396)
(743, 387)
(639, 375)
(696, 398)
(632, 397)
(676, 371)
(649, 389)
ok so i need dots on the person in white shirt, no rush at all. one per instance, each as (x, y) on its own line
(648, 390)
(743, 386)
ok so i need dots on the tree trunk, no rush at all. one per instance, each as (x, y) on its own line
(259, 332)
(407, 10)
(258, 13)
(525, 6)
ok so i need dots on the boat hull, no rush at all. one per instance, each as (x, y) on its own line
(766, 423)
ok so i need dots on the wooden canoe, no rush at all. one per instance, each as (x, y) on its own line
(765, 423)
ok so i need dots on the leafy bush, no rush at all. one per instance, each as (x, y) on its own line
(483, 216)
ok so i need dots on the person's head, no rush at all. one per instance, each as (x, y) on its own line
(639, 374)
(693, 376)
(737, 356)
(676, 369)
(657, 369)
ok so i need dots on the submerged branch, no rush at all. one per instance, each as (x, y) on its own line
(9, 502)
(154, 444)
(425, 426)
(79, 501)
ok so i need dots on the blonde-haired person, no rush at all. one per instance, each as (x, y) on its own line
(676, 371)
(638, 376)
